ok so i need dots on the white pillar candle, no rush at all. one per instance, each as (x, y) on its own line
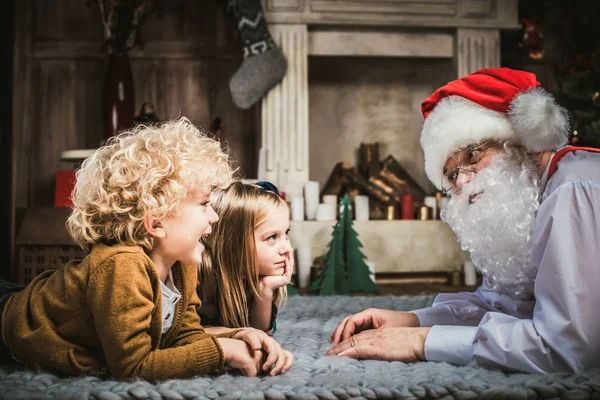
(470, 273)
(330, 199)
(311, 197)
(361, 208)
(303, 266)
(326, 212)
(430, 201)
(333, 200)
(371, 265)
(297, 208)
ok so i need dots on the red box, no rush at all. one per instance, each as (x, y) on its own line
(64, 183)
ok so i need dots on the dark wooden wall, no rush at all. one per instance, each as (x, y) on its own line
(6, 58)
(184, 69)
(190, 53)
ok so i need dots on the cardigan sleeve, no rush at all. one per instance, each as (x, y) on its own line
(123, 294)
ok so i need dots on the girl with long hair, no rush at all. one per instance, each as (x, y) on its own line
(248, 259)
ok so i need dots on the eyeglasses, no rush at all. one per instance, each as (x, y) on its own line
(268, 187)
(467, 159)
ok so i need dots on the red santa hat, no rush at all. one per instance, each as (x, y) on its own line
(492, 103)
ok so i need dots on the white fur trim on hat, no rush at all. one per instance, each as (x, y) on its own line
(454, 123)
(538, 121)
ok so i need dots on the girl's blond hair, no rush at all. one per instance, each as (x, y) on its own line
(144, 171)
(228, 275)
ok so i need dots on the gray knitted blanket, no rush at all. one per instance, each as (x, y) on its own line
(304, 326)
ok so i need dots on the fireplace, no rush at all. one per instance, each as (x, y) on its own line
(357, 72)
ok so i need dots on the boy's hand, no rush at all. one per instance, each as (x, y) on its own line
(240, 356)
(278, 360)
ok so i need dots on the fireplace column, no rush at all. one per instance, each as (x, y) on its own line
(476, 49)
(285, 112)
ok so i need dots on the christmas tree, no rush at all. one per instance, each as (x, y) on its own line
(333, 279)
(344, 270)
(578, 72)
(291, 290)
(563, 35)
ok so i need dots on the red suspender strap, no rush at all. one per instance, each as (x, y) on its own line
(563, 152)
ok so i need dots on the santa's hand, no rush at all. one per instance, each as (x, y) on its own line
(372, 318)
(390, 344)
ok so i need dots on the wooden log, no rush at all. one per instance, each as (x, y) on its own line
(338, 181)
(395, 174)
(368, 156)
(370, 188)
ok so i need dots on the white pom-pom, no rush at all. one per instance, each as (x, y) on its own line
(538, 121)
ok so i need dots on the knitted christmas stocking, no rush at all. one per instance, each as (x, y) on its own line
(264, 63)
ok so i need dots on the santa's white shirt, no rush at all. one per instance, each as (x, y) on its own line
(560, 329)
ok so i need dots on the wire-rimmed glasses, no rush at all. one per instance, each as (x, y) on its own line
(467, 160)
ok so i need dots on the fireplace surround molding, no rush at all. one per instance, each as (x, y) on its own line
(464, 31)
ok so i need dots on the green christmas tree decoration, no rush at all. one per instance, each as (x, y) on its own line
(359, 276)
(332, 279)
(344, 270)
(291, 290)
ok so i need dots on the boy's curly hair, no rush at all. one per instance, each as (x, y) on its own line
(145, 171)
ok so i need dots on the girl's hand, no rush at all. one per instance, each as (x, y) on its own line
(272, 282)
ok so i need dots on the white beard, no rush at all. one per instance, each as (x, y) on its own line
(496, 227)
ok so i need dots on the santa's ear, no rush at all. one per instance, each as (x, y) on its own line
(154, 227)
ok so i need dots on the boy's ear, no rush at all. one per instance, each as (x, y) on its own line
(154, 227)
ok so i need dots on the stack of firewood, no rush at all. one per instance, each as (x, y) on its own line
(385, 182)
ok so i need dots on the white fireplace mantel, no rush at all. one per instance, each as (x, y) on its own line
(465, 31)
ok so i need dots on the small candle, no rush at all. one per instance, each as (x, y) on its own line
(297, 208)
(391, 213)
(326, 212)
(333, 200)
(431, 201)
(361, 208)
(311, 196)
(407, 211)
(330, 199)
(470, 273)
(424, 213)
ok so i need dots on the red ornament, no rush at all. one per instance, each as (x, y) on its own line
(574, 140)
(533, 39)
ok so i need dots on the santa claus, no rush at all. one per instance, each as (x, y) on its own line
(525, 207)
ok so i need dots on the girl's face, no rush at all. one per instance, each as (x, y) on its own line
(273, 248)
